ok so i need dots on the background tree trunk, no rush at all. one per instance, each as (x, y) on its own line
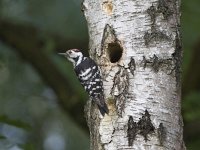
(137, 45)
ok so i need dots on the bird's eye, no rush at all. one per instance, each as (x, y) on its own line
(70, 52)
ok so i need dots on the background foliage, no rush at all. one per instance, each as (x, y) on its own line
(41, 101)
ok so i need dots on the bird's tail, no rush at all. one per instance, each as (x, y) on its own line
(103, 108)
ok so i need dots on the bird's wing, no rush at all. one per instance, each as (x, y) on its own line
(89, 76)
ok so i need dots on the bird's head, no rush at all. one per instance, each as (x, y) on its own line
(73, 55)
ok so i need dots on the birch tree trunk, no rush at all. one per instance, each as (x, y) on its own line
(137, 46)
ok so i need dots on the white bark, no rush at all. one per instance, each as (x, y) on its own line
(145, 82)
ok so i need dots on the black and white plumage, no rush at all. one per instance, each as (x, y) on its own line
(89, 76)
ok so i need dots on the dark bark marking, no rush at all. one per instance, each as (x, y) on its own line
(152, 13)
(132, 131)
(132, 65)
(142, 127)
(154, 62)
(121, 81)
(121, 84)
(108, 37)
(157, 63)
(116, 82)
(155, 35)
(163, 8)
(111, 44)
(83, 7)
(145, 126)
(177, 56)
(145, 61)
(161, 133)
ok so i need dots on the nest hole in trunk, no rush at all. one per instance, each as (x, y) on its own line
(114, 52)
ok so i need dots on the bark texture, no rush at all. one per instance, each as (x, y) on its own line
(137, 45)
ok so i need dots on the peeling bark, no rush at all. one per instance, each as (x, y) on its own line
(137, 46)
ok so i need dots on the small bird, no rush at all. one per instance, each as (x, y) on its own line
(89, 76)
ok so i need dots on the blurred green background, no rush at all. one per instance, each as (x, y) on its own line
(35, 81)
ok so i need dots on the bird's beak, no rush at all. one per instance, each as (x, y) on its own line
(64, 54)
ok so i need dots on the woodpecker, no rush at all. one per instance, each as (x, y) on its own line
(89, 76)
